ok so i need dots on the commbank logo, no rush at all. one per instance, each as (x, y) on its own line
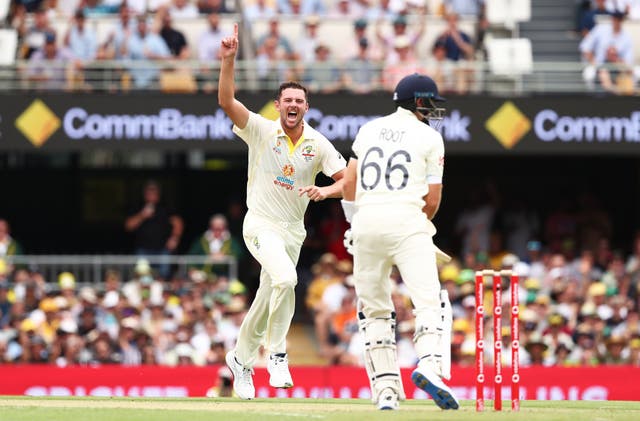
(508, 125)
(37, 123)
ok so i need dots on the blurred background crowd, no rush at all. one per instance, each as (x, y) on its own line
(331, 45)
(579, 293)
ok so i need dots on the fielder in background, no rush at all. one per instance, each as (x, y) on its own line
(284, 158)
(392, 191)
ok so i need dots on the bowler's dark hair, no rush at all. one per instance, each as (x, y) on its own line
(293, 85)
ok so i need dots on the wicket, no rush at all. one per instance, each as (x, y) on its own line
(497, 339)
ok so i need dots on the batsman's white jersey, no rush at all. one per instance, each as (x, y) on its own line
(273, 228)
(398, 157)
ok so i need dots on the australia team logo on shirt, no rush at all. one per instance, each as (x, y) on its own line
(308, 153)
(286, 179)
(277, 148)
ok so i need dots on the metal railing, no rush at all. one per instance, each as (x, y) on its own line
(91, 269)
(253, 75)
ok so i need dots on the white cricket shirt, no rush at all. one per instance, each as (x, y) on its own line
(398, 157)
(277, 167)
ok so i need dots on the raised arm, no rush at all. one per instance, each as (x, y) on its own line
(236, 111)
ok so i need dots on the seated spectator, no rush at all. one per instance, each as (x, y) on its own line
(352, 49)
(213, 6)
(81, 39)
(615, 76)
(272, 62)
(594, 46)
(473, 8)
(183, 9)
(346, 9)
(217, 243)
(52, 67)
(33, 37)
(282, 43)
(98, 8)
(306, 44)
(259, 9)
(145, 46)
(117, 38)
(388, 41)
(8, 245)
(322, 75)
(589, 14)
(301, 7)
(404, 65)
(173, 38)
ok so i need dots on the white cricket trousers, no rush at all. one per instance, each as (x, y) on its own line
(387, 235)
(276, 246)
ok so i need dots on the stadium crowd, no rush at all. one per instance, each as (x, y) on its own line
(580, 298)
(150, 44)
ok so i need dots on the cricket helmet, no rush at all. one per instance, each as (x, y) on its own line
(416, 86)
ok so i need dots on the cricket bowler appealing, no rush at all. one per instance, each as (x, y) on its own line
(392, 190)
(284, 158)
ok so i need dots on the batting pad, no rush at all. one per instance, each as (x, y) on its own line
(380, 356)
(433, 336)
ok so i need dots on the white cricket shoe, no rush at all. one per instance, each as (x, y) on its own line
(242, 377)
(388, 399)
(278, 367)
(431, 383)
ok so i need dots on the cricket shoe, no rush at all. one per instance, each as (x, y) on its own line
(388, 400)
(242, 377)
(278, 368)
(431, 383)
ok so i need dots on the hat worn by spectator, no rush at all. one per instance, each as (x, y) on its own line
(509, 260)
(312, 20)
(66, 280)
(111, 299)
(88, 294)
(449, 272)
(48, 305)
(597, 289)
(466, 275)
(360, 23)
(536, 339)
(401, 41)
(400, 20)
(532, 283)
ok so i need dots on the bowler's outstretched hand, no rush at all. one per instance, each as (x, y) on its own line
(229, 45)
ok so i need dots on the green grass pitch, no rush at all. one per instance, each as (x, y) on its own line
(197, 409)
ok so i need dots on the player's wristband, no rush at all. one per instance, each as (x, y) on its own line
(349, 209)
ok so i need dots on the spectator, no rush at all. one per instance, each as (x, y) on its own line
(383, 10)
(594, 46)
(30, 6)
(589, 14)
(8, 245)
(52, 67)
(306, 44)
(404, 64)
(217, 243)
(115, 44)
(272, 65)
(471, 8)
(282, 43)
(303, 7)
(183, 9)
(81, 39)
(206, 7)
(323, 75)
(390, 41)
(157, 228)
(458, 49)
(361, 75)
(174, 39)
(34, 37)
(259, 9)
(615, 76)
(99, 8)
(346, 9)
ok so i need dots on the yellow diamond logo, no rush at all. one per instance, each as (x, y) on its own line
(508, 125)
(269, 111)
(37, 123)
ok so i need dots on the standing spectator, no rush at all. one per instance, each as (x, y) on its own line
(174, 39)
(114, 46)
(390, 41)
(589, 14)
(209, 53)
(183, 9)
(274, 226)
(403, 64)
(217, 242)
(458, 49)
(157, 228)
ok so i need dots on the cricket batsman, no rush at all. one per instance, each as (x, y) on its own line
(392, 191)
